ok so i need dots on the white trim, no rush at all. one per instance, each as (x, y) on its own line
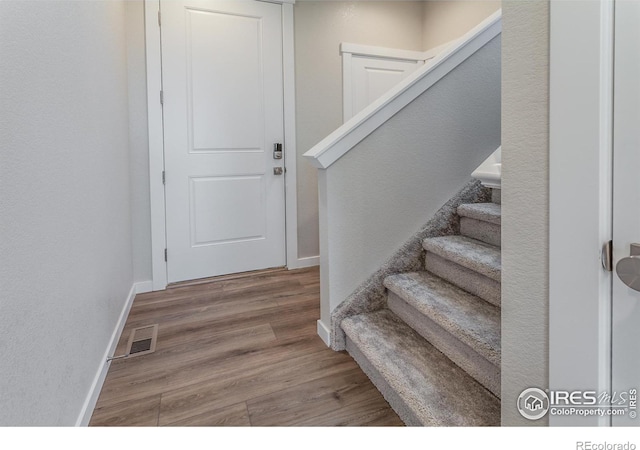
(290, 149)
(381, 52)
(489, 173)
(324, 333)
(393, 53)
(156, 140)
(338, 143)
(310, 261)
(156, 144)
(94, 392)
(580, 198)
(347, 91)
(435, 51)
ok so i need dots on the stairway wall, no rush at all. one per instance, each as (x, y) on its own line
(392, 182)
(371, 295)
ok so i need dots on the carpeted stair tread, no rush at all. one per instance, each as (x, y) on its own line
(487, 212)
(421, 384)
(470, 253)
(467, 317)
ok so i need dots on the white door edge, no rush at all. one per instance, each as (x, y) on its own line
(580, 199)
(156, 145)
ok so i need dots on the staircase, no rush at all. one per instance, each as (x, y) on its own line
(434, 351)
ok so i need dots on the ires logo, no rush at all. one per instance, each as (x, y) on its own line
(534, 403)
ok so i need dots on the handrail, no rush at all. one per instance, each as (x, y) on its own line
(338, 143)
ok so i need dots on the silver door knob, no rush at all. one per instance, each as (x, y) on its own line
(628, 269)
(278, 171)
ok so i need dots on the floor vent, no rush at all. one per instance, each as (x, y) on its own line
(142, 341)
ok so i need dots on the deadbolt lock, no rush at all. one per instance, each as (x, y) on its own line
(277, 151)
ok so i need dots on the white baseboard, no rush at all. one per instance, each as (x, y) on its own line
(302, 263)
(98, 381)
(324, 333)
(142, 287)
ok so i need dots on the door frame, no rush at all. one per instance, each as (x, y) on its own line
(156, 142)
(580, 198)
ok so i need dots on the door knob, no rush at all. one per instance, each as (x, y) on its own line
(278, 171)
(628, 269)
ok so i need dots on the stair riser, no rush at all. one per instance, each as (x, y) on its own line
(480, 230)
(464, 278)
(485, 372)
(496, 196)
(395, 401)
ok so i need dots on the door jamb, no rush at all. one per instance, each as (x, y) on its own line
(156, 141)
(580, 198)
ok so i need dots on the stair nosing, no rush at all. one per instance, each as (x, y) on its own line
(483, 267)
(485, 212)
(390, 368)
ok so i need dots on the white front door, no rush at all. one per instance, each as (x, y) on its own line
(626, 208)
(223, 112)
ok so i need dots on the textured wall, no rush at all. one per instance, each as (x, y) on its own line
(320, 27)
(389, 185)
(65, 221)
(525, 202)
(447, 20)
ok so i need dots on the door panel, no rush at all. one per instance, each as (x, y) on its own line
(626, 202)
(223, 111)
(371, 77)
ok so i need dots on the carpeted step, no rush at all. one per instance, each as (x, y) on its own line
(420, 383)
(481, 221)
(466, 279)
(470, 253)
(487, 212)
(462, 326)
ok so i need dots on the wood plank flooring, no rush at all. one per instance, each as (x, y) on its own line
(238, 351)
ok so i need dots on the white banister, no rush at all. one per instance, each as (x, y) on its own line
(338, 143)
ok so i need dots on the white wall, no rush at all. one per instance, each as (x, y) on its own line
(389, 185)
(447, 20)
(65, 208)
(525, 202)
(138, 140)
(320, 27)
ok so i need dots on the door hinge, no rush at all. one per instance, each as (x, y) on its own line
(164, 178)
(159, 19)
(165, 255)
(162, 97)
(606, 256)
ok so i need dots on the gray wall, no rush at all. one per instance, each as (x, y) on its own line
(389, 185)
(320, 27)
(138, 140)
(525, 202)
(65, 207)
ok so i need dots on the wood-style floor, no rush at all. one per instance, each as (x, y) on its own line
(238, 351)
